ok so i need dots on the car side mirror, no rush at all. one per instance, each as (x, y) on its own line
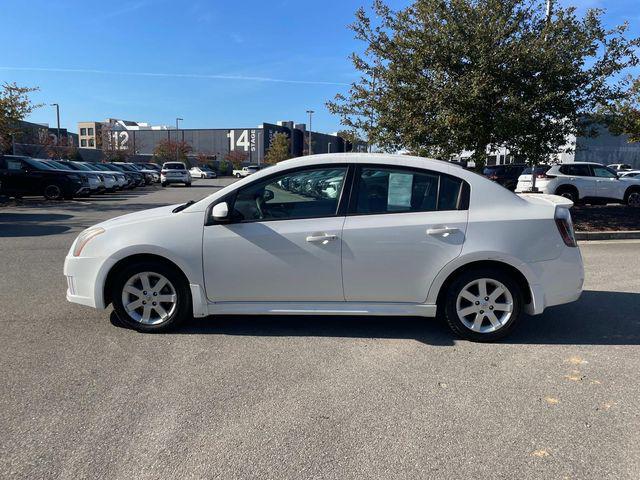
(220, 212)
(268, 195)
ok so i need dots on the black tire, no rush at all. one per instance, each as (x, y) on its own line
(188, 184)
(163, 184)
(568, 192)
(238, 175)
(464, 279)
(53, 191)
(182, 311)
(632, 197)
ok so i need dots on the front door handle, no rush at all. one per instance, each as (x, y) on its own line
(442, 231)
(321, 238)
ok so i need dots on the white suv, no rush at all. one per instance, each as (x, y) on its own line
(174, 172)
(586, 182)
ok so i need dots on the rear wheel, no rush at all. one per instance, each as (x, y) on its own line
(568, 192)
(151, 297)
(53, 192)
(483, 305)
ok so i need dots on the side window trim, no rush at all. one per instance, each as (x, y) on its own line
(462, 201)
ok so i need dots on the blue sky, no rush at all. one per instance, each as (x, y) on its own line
(215, 63)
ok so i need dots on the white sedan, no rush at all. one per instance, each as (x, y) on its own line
(403, 236)
(202, 172)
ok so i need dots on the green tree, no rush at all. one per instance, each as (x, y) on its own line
(442, 76)
(278, 149)
(623, 117)
(15, 105)
(166, 151)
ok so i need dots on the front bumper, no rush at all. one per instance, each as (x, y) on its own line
(85, 277)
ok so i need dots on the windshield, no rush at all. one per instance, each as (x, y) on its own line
(79, 166)
(38, 164)
(54, 164)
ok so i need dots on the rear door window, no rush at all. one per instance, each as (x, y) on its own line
(388, 190)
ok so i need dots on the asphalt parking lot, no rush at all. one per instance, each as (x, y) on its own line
(304, 397)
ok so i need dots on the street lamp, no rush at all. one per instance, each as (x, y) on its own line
(178, 119)
(310, 112)
(58, 119)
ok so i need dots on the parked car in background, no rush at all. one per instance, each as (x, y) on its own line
(202, 171)
(505, 175)
(96, 182)
(108, 179)
(122, 181)
(175, 172)
(402, 236)
(620, 167)
(28, 176)
(245, 171)
(138, 176)
(589, 183)
(149, 166)
(630, 174)
(525, 179)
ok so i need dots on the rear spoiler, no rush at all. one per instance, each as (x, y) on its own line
(543, 198)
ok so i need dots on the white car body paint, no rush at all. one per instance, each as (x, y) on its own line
(267, 267)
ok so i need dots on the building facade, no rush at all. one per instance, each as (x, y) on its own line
(248, 145)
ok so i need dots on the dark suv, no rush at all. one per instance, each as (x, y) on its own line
(27, 176)
(505, 175)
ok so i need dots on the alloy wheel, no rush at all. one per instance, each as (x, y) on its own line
(149, 298)
(634, 199)
(484, 305)
(52, 192)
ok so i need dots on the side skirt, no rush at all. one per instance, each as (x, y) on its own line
(321, 308)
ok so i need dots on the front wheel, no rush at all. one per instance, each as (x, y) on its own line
(633, 198)
(151, 297)
(53, 192)
(483, 305)
(187, 184)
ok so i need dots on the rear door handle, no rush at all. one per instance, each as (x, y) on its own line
(321, 238)
(443, 231)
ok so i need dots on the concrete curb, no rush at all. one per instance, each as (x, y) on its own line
(623, 235)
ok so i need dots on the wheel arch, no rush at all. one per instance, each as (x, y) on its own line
(137, 257)
(631, 189)
(567, 186)
(518, 275)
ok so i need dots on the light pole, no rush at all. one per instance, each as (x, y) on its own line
(58, 120)
(178, 119)
(310, 112)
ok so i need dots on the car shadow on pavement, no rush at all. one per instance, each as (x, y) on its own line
(32, 224)
(598, 318)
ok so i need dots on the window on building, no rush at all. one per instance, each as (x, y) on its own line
(92, 142)
(83, 143)
(83, 132)
(90, 131)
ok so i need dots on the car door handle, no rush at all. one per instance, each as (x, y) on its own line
(321, 238)
(443, 231)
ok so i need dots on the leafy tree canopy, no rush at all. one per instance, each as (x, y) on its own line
(442, 76)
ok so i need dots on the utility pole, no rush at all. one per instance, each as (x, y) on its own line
(58, 120)
(310, 112)
(178, 119)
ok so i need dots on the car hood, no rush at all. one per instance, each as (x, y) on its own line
(141, 216)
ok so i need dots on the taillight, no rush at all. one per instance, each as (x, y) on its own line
(565, 227)
(544, 175)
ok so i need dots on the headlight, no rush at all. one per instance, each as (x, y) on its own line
(84, 238)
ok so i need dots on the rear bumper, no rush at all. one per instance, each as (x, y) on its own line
(558, 281)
